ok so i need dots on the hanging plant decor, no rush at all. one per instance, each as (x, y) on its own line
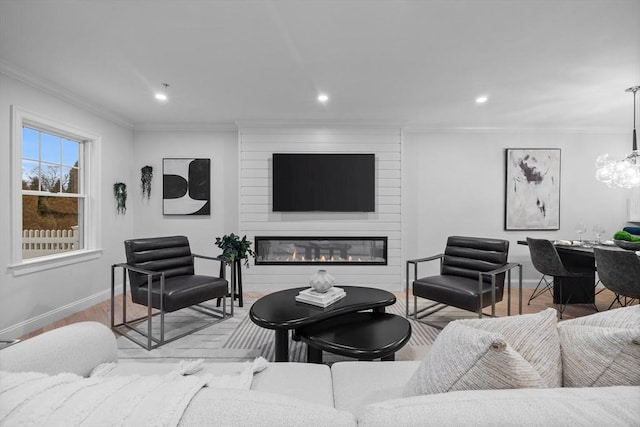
(120, 193)
(146, 175)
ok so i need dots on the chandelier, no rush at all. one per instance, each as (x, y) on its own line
(623, 173)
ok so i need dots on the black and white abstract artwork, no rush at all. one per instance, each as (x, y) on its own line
(186, 186)
(532, 196)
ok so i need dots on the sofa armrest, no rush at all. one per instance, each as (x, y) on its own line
(77, 348)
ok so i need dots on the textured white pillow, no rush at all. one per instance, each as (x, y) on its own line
(624, 317)
(476, 354)
(602, 349)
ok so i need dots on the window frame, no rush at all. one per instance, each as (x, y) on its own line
(90, 185)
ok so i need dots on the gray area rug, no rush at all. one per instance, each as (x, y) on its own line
(238, 339)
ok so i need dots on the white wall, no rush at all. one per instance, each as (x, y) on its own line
(258, 219)
(33, 300)
(453, 184)
(221, 146)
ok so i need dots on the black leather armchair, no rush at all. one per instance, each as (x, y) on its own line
(161, 274)
(472, 277)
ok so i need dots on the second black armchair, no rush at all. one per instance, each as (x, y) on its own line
(472, 277)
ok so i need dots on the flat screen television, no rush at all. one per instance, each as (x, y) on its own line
(323, 182)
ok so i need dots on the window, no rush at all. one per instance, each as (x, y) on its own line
(54, 212)
(52, 201)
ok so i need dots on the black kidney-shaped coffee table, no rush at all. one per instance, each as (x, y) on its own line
(281, 312)
(363, 335)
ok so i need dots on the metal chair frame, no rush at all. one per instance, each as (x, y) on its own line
(437, 306)
(546, 286)
(130, 325)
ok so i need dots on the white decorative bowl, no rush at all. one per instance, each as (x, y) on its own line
(625, 244)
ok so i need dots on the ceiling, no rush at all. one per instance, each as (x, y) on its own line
(542, 63)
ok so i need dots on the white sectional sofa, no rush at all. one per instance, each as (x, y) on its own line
(294, 394)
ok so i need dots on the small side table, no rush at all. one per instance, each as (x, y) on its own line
(235, 284)
(361, 335)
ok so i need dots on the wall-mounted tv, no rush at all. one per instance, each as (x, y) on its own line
(324, 182)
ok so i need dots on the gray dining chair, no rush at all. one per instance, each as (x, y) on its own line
(619, 271)
(546, 260)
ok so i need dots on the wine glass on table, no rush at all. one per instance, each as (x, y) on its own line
(581, 228)
(598, 232)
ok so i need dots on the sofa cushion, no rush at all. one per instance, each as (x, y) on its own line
(511, 352)
(76, 348)
(602, 349)
(357, 384)
(286, 378)
(257, 409)
(611, 406)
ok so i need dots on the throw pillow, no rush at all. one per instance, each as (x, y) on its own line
(602, 349)
(511, 352)
(624, 317)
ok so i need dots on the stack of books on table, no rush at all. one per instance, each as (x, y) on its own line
(325, 299)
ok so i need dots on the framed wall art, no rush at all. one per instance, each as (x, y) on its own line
(186, 186)
(532, 189)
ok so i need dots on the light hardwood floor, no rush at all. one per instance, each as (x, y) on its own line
(102, 312)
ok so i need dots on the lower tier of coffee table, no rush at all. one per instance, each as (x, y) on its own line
(362, 335)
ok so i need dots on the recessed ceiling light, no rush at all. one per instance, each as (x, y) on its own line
(162, 96)
(323, 97)
(481, 99)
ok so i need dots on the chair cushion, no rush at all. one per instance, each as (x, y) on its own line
(456, 291)
(511, 352)
(602, 349)
(183, 291)
(466, 256)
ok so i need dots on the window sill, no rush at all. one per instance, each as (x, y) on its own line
(53, 261)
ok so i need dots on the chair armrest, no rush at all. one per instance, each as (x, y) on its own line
(213, 258)
(77, 348)
(139, 270)
(506, 267)
(223, 263)
(418, 260)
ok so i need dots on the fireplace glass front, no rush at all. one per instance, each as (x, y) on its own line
(320, 250)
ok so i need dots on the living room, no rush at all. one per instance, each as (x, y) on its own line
(434, 95)
(443, 164)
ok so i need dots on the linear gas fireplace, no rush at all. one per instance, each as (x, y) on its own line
(320, 250)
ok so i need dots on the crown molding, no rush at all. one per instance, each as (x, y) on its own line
(187, 127)
(56, 91)
(416, 128)
(376, 125)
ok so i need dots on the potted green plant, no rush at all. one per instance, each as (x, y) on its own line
(235, 248)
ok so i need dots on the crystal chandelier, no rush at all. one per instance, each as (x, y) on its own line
(623, 173)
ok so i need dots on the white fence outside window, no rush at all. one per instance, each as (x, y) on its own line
(37, 243)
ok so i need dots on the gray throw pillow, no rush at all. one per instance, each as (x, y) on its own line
(602, 349)
(511, 352)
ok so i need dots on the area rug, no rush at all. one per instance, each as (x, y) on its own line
(239, 339)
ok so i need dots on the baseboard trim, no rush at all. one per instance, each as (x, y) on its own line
(44, 319)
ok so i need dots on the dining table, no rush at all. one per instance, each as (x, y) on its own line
(577, 256)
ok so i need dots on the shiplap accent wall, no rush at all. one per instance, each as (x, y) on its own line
(257, 218)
